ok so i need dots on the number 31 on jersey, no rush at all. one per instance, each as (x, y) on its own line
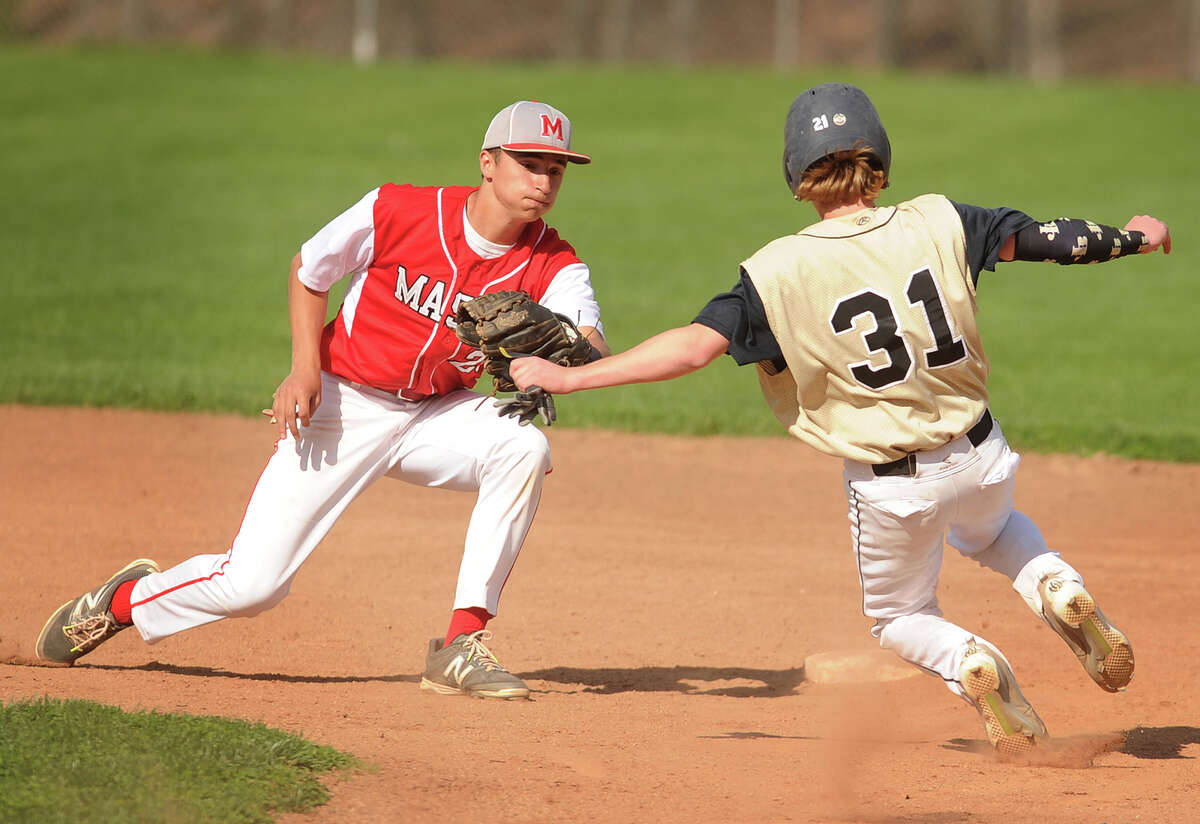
(922, 290)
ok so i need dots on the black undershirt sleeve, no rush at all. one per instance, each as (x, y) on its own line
(986, 230)
(738, 315)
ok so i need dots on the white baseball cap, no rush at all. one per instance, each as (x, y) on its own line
(530, 126)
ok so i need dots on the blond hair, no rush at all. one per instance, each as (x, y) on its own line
(843, 177)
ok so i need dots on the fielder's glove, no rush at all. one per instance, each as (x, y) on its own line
(509, 324)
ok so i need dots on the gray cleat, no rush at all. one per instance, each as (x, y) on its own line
(1101, 648)
(82, 624)
(467, 667)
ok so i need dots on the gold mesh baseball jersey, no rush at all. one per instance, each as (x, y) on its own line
(875, 315)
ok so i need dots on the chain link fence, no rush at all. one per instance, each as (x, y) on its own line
(1042, 39)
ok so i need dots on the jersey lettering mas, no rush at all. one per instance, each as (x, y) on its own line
(874, 313)
(411, 269)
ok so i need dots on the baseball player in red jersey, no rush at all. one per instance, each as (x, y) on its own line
(863, 329)
(383, 390)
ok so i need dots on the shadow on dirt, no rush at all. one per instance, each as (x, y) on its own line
(750, 735)
(1159, 742)
(736, 682)
(210, 672)
(1083, 750)
(1069, 752)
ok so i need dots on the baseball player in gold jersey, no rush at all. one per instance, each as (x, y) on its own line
(863, 330)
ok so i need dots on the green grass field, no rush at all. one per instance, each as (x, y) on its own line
(152, 202)
(66, 761)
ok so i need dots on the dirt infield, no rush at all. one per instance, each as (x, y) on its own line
(663, 622)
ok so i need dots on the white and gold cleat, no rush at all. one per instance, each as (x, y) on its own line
(1101, 648)
(1012, 725)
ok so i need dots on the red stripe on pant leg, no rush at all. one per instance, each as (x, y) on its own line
(177, 587)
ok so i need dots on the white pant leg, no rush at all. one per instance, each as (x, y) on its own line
(898, 525)
(461, 443)
(930, 642)
(305, 486)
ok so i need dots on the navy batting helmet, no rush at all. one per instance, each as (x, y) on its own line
(830, 118)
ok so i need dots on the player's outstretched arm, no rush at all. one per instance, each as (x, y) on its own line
(667, 355)
(1069, 240)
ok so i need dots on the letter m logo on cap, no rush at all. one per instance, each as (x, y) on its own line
(552, 127)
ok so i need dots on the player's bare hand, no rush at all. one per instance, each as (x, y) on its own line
(527, 372)
(1157, 233)
(296, 399)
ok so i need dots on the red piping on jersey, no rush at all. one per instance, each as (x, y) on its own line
(224, 563)
(532, 248)
(437, 324)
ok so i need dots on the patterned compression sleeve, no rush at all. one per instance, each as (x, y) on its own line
(1070, 240)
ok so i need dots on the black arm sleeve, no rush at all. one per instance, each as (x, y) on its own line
(986, 230)
(1069, 240)
(739, 316)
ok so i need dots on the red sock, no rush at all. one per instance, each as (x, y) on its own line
(466, 621)
(120, 606)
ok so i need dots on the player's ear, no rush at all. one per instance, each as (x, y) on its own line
(487, 164)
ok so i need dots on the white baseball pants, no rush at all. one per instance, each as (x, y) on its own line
(358, 435)
(965, 494)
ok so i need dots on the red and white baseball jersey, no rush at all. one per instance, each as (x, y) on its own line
(414, 259)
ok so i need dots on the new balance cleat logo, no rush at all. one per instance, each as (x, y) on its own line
(87, 603)
(458, 670)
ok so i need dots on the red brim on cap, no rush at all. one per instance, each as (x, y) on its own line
(541, 148)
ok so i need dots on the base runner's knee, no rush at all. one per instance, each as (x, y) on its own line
(1017, 544)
